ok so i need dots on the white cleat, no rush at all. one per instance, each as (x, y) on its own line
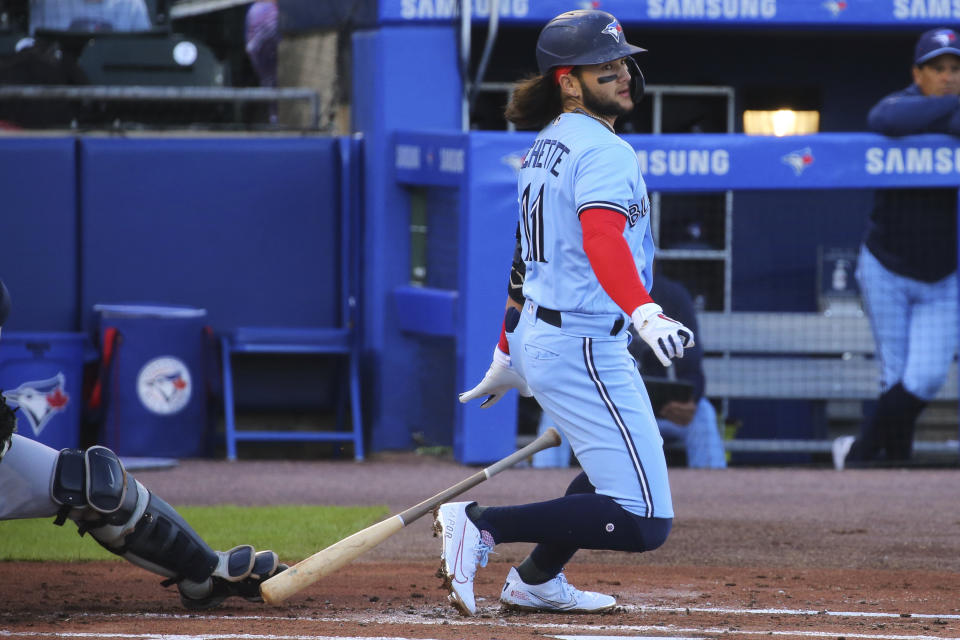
(464, 547)
(840, 450)
(556, 595)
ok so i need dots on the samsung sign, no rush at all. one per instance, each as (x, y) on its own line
(712, 9)
(912, 160)
(684, 162)
(633, 13)
(919, 9)
(426, 9)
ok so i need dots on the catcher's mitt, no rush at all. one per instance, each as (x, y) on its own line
(8, 424)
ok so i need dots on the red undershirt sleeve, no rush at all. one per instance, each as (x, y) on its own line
(502, 344)
(610, 258)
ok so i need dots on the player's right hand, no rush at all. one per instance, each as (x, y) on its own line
(500, 378)
(666, 336)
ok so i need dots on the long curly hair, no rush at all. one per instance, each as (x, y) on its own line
(534, 103)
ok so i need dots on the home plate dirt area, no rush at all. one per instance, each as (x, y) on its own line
(783, 552)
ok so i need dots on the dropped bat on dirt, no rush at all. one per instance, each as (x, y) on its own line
(309, 570)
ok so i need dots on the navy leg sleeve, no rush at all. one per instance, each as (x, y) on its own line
(579, 520)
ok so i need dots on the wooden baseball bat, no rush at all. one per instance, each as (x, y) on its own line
(309, 570)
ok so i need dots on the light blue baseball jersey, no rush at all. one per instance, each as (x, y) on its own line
(575, 164)
(577, 364)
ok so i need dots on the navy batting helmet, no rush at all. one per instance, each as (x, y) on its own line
(587, 36)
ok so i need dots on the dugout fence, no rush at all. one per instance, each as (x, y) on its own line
(105, 105)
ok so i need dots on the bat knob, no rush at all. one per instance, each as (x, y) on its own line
(554, 436)
(271, 590)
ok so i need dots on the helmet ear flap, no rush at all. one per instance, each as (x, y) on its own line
(638, 83)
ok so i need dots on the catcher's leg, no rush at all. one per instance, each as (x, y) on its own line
(25, 473)
(95, 491)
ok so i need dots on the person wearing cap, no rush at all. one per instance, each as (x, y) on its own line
(581, 274)
(907, 269)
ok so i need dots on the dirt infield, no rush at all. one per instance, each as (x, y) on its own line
(754, 551)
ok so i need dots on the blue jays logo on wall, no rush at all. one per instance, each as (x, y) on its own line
(514, 160)
(164, 385)
(835, 7)
(40, 400)
(799, 160)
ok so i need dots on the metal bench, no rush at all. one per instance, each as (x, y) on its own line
(799, 356)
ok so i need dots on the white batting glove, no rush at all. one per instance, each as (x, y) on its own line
(666, 336)
(500, 378)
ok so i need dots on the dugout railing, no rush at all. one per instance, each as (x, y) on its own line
(161, 95)
(477, 172)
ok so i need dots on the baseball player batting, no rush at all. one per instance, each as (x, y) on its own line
(91, 488)
(585, 262)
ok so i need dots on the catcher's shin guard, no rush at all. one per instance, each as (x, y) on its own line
(228, 581)
(164, 543)
(96, 492)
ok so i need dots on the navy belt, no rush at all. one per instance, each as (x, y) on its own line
(555, 318)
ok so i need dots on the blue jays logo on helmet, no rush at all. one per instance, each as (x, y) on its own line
(613, 30)
(40, 400)
(580, 37)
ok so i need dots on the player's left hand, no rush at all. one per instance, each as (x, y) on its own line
(666, 336)
(500, 378)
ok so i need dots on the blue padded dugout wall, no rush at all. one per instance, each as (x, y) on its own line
(39, 243)
(402, 77)
(243, 227)
(472, 306)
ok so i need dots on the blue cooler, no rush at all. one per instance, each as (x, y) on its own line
(155, 401)
(42, 374)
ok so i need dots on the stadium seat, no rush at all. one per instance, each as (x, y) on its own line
(150, 59)
(341, 341)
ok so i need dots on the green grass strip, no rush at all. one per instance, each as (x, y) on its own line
(293, 531)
